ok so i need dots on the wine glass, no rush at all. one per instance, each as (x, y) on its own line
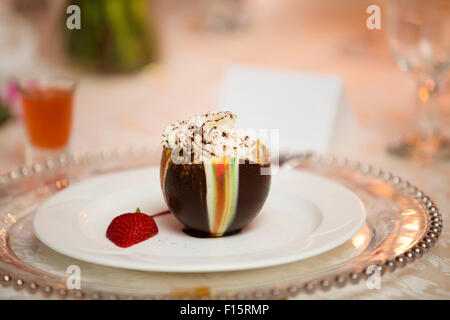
(418, 33)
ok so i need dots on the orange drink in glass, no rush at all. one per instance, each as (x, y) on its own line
(47, 107)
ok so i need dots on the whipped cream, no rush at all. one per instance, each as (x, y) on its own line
(210, 135)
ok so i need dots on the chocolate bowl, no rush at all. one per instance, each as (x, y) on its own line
(214, 199)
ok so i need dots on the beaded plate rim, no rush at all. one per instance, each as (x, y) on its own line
(32, 283)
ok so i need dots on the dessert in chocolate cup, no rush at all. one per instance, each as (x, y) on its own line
(214, 178)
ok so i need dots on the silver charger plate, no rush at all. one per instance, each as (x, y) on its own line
(402, 224)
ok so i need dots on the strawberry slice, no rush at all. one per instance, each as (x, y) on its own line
(131, 228)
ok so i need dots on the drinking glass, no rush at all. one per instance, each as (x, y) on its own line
(47, 104)
(418, 33)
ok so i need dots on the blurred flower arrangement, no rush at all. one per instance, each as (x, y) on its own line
(9, 103)
(115, 36)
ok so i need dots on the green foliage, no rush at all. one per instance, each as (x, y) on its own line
(5, 114)
(115, 35)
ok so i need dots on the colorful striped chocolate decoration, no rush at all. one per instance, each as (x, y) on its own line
(262, 153)
(222, 181)
(165, 159)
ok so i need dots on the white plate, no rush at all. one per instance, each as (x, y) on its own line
(304, 215)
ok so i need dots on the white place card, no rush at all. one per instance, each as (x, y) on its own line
(304, 107)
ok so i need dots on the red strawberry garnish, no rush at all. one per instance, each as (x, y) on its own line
(131, 228)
